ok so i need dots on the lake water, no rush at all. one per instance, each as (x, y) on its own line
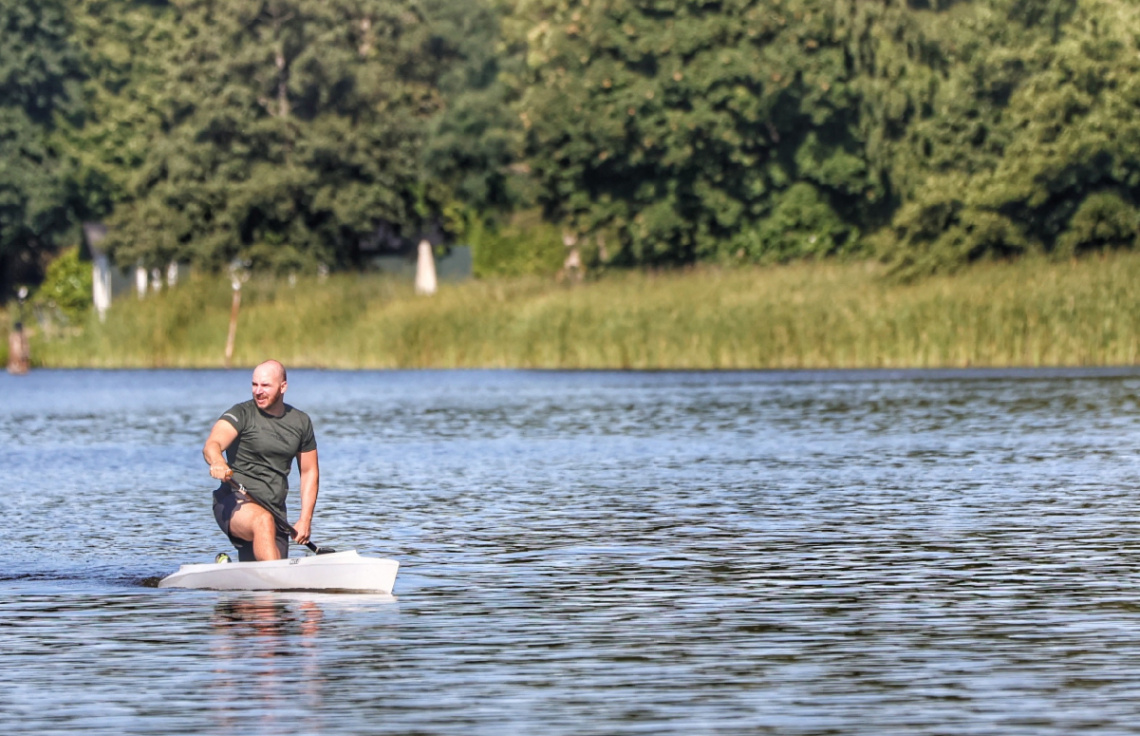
(590, 553)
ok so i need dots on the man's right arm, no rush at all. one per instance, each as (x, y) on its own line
(221, 436)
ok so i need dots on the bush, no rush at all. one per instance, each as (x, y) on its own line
(940, 231)
(526, 246)
(66, 289)
(802, 225)
(1103, 220)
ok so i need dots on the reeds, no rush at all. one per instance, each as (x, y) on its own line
(818, 315)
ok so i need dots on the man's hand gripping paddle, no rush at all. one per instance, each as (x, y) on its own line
(282, 522)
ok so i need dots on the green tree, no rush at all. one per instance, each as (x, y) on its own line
(680, 125)
(474, 141)
(1021, 136)
(293, 129)
(122, 93)
(39, 72)
(1071, 175)
(66, 288)
(952, 130)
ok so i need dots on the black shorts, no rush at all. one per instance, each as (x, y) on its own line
(225, 503)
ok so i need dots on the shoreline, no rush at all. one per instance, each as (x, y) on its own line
(806, 316)
(980, 373)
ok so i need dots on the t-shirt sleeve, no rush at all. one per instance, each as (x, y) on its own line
(236, 416)
(308, 438)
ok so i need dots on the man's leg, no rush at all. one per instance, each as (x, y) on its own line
(253, 523)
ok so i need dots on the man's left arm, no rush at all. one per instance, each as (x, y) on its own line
(310, 486)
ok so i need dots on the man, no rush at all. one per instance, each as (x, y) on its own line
(260, 438)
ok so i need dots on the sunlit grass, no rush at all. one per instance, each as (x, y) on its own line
(1028, 313)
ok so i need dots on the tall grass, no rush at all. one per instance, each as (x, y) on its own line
(824, 315)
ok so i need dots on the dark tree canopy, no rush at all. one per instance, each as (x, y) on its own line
(289, 133)
(39, 74)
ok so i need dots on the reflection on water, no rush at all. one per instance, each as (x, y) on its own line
(264, 646)
(267, 616)
(591, 553)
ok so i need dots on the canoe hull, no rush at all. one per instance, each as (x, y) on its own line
(346, 571)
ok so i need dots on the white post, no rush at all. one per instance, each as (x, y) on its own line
(235, 307)
(425, 270)
(94, 233)
(238, 275)
(172, 273)
(140, 281)
(101, 285)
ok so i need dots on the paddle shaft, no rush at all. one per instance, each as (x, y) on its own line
(282, 522)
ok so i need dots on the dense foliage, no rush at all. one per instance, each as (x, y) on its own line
(288, 133)
(291, 131)
(39, 72)
(675, 129)
(934, 132)
(66, 290)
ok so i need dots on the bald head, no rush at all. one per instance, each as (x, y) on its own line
(269, 387)
(275, 368)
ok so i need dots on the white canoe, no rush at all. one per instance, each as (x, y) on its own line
(346, 571)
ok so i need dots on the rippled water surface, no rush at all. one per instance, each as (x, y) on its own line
(590, 553)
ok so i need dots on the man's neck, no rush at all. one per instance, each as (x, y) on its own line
(275, 410)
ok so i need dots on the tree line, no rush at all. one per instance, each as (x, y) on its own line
(291, 134)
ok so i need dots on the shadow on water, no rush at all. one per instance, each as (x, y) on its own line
(87, 575)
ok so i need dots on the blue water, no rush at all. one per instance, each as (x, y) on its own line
(590, 553)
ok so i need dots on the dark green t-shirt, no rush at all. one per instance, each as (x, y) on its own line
(263, 452)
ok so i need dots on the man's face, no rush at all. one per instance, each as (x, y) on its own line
(268, 387)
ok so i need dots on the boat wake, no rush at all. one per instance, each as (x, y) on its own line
(116, 577)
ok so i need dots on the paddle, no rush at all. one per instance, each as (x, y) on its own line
(281, 520)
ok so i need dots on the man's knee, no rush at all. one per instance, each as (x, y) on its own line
(252, 522)
(263, 524)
